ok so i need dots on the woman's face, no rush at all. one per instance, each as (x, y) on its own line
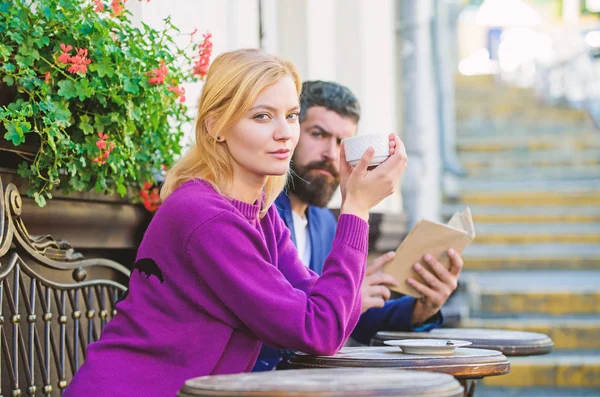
(263, 141)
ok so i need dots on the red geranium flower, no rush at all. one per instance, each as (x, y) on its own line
(200, 67)
(158, 74)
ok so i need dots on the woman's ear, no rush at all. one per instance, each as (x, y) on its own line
(210, 128)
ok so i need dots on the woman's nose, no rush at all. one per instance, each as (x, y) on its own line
(284, 130)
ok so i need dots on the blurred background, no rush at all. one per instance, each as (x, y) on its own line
(498, 103)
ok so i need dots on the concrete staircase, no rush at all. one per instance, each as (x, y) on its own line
(533, 186)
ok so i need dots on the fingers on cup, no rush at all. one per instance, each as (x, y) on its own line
(392, 145)
(366, 158)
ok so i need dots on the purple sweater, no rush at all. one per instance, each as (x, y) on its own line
(198, 302)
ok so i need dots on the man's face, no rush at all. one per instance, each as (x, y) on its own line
(316, 160)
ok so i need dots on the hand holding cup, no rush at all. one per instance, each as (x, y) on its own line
(362, 188)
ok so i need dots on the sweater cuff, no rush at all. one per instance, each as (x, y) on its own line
(352, 231)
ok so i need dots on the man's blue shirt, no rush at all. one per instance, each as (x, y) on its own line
(395, 315)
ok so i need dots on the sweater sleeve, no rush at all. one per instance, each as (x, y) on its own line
(395, 315)
(243, 276)
(289, 263)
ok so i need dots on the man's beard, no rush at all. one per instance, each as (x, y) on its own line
(311, 186)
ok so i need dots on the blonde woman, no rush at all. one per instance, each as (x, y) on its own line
(198, 302)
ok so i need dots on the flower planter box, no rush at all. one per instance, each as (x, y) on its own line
(97, 226)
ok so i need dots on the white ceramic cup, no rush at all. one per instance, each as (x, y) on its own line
(356, 146)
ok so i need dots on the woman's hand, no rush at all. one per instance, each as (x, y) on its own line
(361, 188)
(374, 287)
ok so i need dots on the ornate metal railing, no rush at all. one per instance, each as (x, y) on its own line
(53, 303)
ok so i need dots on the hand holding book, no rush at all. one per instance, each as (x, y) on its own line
(434, 239)
(438, 285)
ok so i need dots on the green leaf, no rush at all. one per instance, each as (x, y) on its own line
(16, 131)
(5, 51)
(50, 140)
(131, 86)
(85, 126)
(39, 199)
(102, 100)
(23, 170)
(103, 69)
(72, 169)
(9, 67)
(77, 184)
(27, 60)
(67, 89)
(100, 122)
(62, 117)
(9, 80)
(42, 41)
(48, 12)
(115, 116)
(83, 89)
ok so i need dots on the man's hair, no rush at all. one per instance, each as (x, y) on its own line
(330, 95)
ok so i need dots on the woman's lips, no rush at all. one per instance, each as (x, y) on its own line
(281, 154)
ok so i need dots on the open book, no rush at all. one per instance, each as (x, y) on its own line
(433, 238)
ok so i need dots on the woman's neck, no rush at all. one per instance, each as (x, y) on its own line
(246, 187)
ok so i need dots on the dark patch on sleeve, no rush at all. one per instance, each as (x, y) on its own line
(148, 267)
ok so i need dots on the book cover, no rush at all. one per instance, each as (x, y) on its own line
(429, 237)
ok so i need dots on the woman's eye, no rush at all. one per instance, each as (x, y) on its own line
(293, 116)
(262, 116)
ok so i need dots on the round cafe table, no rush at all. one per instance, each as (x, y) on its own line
(465, 364)
(325, 383)
(510, 343)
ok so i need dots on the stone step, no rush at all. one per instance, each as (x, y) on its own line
(500, 143)
(500, 110)
(521, 158)
(541, 256)
(526, 214)
(582, 192)
(498, 98)
(549, 292)
(559, 302)
(531, 233)
(518, 99)
(566, 333)
(530, 198)
(496, 92)
(490, 391)
(518, 128)
(551, 173)
(479, 80)
(557, 370)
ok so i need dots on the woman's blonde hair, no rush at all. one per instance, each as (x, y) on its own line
(234, 81)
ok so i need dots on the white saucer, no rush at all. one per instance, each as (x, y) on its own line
(428, 346)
